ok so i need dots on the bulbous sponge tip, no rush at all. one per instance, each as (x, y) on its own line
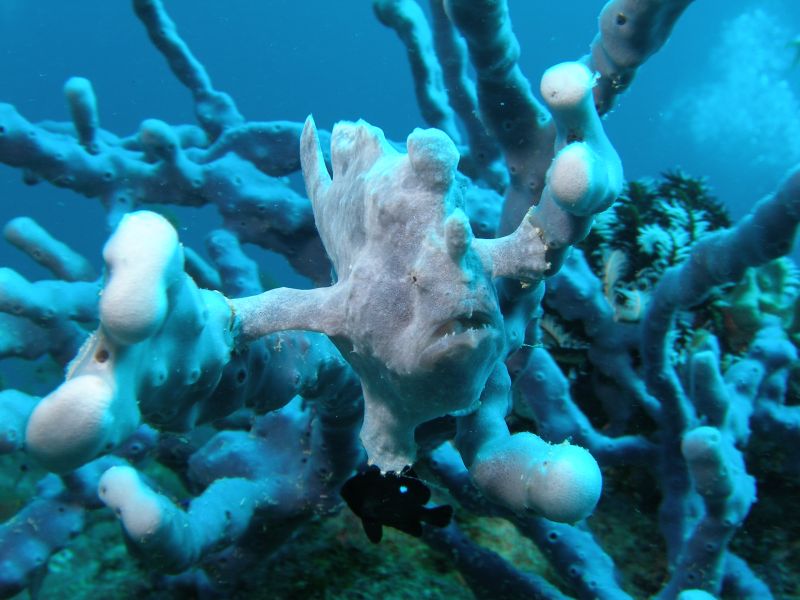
(141, 510)
(77, 88)
(143, 257)
(566, 84)
(701, 444)
(566, 485)
(571, 177)
(71, 425)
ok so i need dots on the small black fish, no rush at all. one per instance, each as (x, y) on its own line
(393, 500)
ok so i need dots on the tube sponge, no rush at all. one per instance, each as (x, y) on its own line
(586, 174)
(157, 355)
